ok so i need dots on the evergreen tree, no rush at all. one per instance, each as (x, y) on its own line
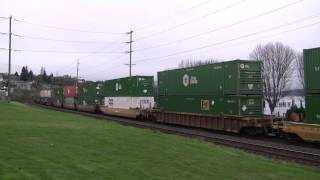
(50, 79)
(44, 76)
(16, 74)
(24, 74)
(31, 75)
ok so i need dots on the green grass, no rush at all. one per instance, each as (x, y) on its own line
(44, 144)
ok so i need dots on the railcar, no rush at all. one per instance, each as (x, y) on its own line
(224, 96)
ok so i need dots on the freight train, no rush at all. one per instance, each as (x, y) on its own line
(224, 96)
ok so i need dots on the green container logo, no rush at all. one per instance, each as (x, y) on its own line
(118, 86)
(186, 80)
(244, 66)
(244, 108)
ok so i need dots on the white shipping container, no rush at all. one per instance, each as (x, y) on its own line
(45, 93)
(129, 102)
(69, 100)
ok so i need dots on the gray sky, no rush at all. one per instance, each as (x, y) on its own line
(165, 32)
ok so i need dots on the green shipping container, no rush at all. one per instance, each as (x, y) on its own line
(90, 89)
(136, 86)
(312, 109)
(89, 100)
(238, 77)
(242, 77)
(206, 104)
(312, 70)
(58, 93)
(89, 93)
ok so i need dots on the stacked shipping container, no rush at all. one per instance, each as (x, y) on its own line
(232, 88)
(89, 96)
(312, 84)
(126, 96)
(70, 96)
(129, 92)
(58, 96)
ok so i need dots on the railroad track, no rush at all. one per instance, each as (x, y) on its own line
(291, 153)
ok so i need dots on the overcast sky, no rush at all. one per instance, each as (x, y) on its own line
(55, 33)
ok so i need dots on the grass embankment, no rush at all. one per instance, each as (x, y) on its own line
(44, 144)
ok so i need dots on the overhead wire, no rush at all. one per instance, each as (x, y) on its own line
(62, 52)
(172, 16)
(192, 20)
(232, 39)
(60, 40)
(68, 67)
(282, 32)
(263, 37)
(67, 29)
(104, 70)
(223, 27)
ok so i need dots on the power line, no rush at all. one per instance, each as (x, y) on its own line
(62, 52)
(223, 27)
(172, 16)
(4, 17)
(67, 29)
(230, 40)
(192, 20)
(89, 55)
(272, 35)
(59, 40)
(2, 33)
(104, 70)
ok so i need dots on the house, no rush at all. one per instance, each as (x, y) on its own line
(289, 99)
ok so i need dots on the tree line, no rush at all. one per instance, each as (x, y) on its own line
(43, 77)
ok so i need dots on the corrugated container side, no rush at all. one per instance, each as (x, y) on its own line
(312, 70)
(205, 79)
(70, 91)
(69, 100)
(45, 93)
(207, 104)
(129, 86)
(242, 77)
(313, 109)
(238, 77)
(89, 89)
(89, 100)
(129, 102)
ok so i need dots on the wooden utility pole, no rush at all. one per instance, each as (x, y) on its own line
(77, 73)
(9, 68)
(130, 52)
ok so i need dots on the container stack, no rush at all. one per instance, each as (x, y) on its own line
(70, 95)
(89, 93)
(129, 93)
(312, 84)
(232, 88)
(58, 96)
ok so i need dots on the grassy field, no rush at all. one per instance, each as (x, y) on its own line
(43, 144)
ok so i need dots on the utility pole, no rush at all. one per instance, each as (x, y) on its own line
(77, 73)
(130, 52)
(9, 68)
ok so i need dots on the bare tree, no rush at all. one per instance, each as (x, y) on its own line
(277, 61)
(300, 69)
(192, 63)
